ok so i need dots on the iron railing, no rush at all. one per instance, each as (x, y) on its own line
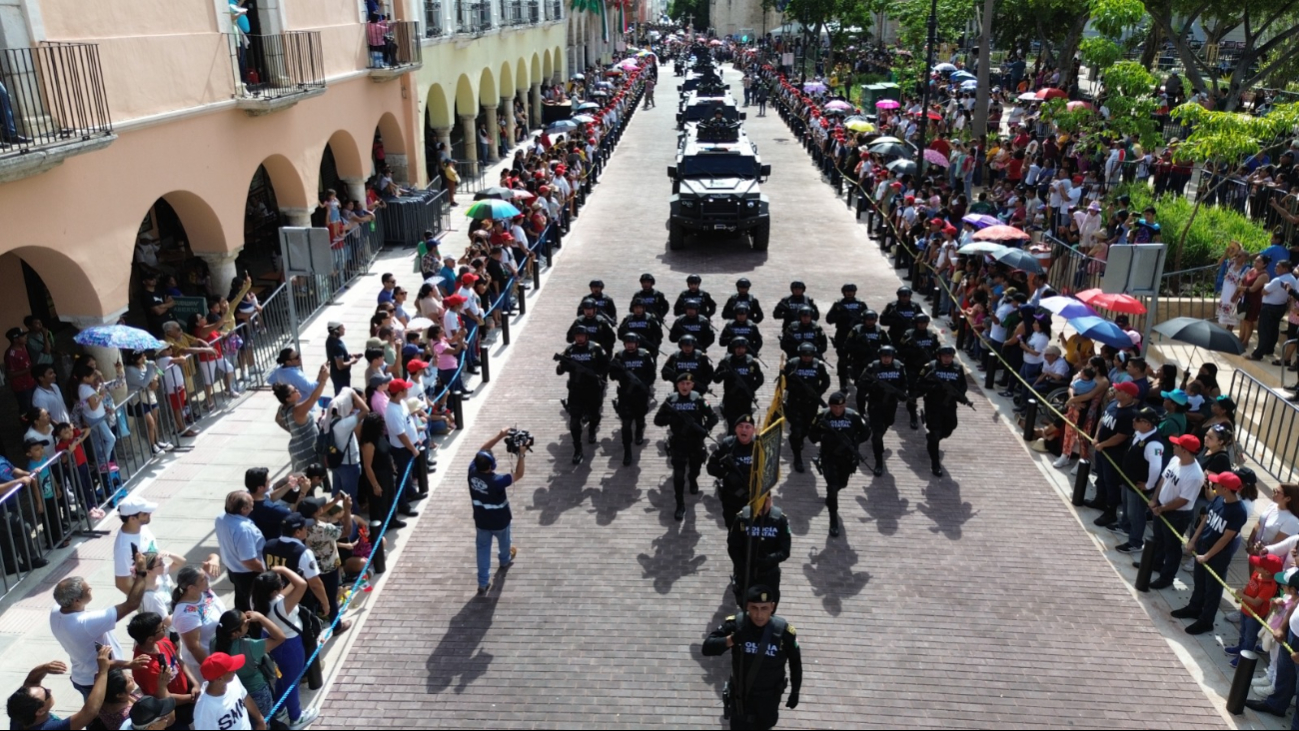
(555, 10)
(51, 95)
(534, 12)
(472, 173)
(473, 17)
(1267, 426)
(275, 66)
(404, 48)
(406, 219)
(432, 19)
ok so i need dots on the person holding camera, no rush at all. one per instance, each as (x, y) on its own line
(487, 492)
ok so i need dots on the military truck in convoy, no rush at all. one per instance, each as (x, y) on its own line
(715, 186)
(698, 107)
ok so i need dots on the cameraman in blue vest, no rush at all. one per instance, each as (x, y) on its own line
(492, 507)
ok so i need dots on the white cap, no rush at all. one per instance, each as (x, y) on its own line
(134, 505)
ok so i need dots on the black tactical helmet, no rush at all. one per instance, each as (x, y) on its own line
(805, 310)
(741, 307)
(947, 350)
(579, 330)
(740, 342)
(796, 284)
(596, 283)
(588, 302)
(888, 350)
(687, 340)
(742, 283)
(694, 279)
(849, 287)
(920, 317)
(647, 277)
(631, 337)
(638, 302)
(806, 349)
(870, 315)
(904, 291)
(691, 304)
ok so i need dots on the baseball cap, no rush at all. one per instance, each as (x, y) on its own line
(1289, 577)
(334, 325)
(416, 365)
(1144, 413)
(379, 379)
(294, 522)
(836, 398)
(134, 505)
(149, 710)
(1177, 396)
(469, 278)
(219, 663)
(398, 385)
(1189, 442)
(453, 300)
(15, 333)
(309, 506)
(1227, 480)
(1129, 388)
(1269, 563)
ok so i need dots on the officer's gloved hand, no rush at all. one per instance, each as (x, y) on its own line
(792, 703)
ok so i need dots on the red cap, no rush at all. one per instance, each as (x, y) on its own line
(1129, 388)
(539, 175)
(543, 189)
(397, 385)
(415, 366)
(895, 186)
(453, 300)
(949, 229)
(560, 169)
(218, 664)
(937, 222)
(1269, 563)
(910, 199)
(1228, 480)
(1189, 442)
(469, 278)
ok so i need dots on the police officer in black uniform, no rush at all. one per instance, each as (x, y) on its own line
(757, 638)
(643, 324)
(740, 376)
(603, 302)
(693, 323)
(689, 419)
(707, 306)
(864, 343)
(918, 347)
(742, 327)
(689, 359)
(838, 429)
(897, 315)
(844, 315)
(634, 368)
(656, 303)
(732, 463)
(757, 546)
(587, 366)
(598, 328)
(943, 384)
(879, 388)
(787, 307)
(804, 330)
(806, 379)
(287, 550)
(742, 295)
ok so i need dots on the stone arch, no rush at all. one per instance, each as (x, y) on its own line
(547, 68)
(390, 129)
(439, 111)
(202, 226)
(347, 155)
(290, 191)
(507, 79)
(71, 284)
(487, 88)
(521, 79)
(560, 69)
(536, 67)
(466, 97)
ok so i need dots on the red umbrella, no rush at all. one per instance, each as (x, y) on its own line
(1073, 106)
(935, 116)
(1113, 302)
(1000, 233)
(1050, 93)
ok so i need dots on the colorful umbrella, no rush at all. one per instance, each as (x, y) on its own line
(1100, 330)
(887, 104)
(838, 105)
(937, 158)
(123, 337)
(970, 85)
(1000, 232)
(963, 74)
(1050, 93)
(1028, 96)
(813, 87)
(1017, 259)
(561, 126)
(981, 220)
(1069, 308)
(1074, 106)
(1116, 302)
(859, 125)
(491, 208)
(628, 64)
(981, 247)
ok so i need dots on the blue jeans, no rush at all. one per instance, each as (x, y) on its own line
(1134, 506)
(346, 478)
(485, 551)
(103, 438)
(1249, 628)
(1029, 372)
(1285, 681)
(291, 657)
(8, 129)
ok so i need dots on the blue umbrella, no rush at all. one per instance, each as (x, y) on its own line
(963, 74)
(122, 337)
(1102, 331)
(563, 125)
(1068, 307)
(969, 85)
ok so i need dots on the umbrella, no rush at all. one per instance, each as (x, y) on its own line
(1101, 330)
(885, 138)
(1018, 259)
(1201, 334)
(123, 337)
(604, 84)
(936, 157)
(1074, 106)
(496, 192)
(715, 42)
(944, 68)
(891, 149)
(579, 77)
(586, 105)
(1000, 232)
(902, 166)
(935, 116)
(887, 104)
(963, 74)
(491, 208)
(970, 85)
(1028, 96)
(562, 125)
(838, 105)
(1069, 308)
(1049, 93)
(859, 125)
(1115, 302)
(628, 64)
(420, 323)
(583, 118)
(981, 247)
(981, 220)
(813, 86)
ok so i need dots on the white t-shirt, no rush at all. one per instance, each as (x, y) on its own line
(1275, 521)
(1060, 367)
(78, 633)
(1179, 480)
(277, 609)
(157, 601)
(123, 564)
(84, 392)
(1038, 342)
(1003, 311)
(344, 433)
(202, 616)
(226, 711)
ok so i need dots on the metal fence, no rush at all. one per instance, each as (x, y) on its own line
(473, 17)
(472, 174)
(406, 47)
(1267, 426)
(432, 19)
(273, 66)
(407, 218)
(51, 95)
(555, 10)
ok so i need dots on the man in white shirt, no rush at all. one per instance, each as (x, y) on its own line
(404, 439)
(135, 537)
(1174, 500)
(81, 632)
(47, 394)
(224, 703)
(1276, 300)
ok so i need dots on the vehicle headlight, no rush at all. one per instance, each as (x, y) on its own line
(752, 204)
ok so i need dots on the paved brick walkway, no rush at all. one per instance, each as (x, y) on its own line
(972, 600)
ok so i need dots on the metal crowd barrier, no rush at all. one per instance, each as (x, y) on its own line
(1268, 426)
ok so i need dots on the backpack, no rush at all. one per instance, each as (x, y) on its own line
(327, 445)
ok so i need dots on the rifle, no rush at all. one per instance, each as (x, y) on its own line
(950, 391)
(844, 441)
(690, 423)
(803, 384)
(561, 358)
(731, 375)
(635, 380)
(884, 384)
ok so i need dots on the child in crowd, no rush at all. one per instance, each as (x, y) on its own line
(1256, 596)
(68, 439)
(47, 504)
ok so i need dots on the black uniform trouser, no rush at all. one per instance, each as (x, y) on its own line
(940, 422)
(735, 407)
(687, 457)
(800, 416)
(913, 375)
(1168, 544)
(836, 471)
(583, 406)
(761, 710)
(769, 579)
(734, 497)
(632, 408)
(402, 458)
(880, 418)
(843, 366)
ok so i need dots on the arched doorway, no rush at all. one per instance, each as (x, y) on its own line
(262, 221)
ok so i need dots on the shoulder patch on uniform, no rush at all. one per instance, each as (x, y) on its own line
(731, 618)
(789, 629)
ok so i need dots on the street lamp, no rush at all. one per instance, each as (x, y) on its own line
(924, 95)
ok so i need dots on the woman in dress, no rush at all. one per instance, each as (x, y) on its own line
(1236, 263)
(1251, 290)
(294, 417)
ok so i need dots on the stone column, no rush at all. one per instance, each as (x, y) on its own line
(355, 188)
(444, 136)
(222, 266)
(296, 216)
(468, 123)
(106, 358)
(535, 106)
(507, 108)
(400, 170)
(493, 134)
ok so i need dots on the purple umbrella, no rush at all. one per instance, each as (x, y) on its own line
(813, 87)
(981, 220)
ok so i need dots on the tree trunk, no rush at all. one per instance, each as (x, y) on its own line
(1070, 47)
(980, 119)
(1153, 39)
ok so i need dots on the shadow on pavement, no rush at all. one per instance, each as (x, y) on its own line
(457, 660)
(943, 506)
(830, 573)
(716, 669)
(674, 554)
(883, 504)
(565, 489)
(618, 492)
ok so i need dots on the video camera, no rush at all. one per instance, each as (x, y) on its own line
(518, 441)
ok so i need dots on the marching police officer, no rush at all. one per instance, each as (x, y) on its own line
(804, 330)
(757, 545)
(598, 328)
(633, 366)
(689, 418)
(787, 307)
(742, 327)
(844, 315)
(838, 429)
(693, 323)
(656, 303)
(879, 388)
(707, 306)
(643, 324)
(918, 347)
(741, 377)
(864, 342)
(943, 384)
(732, 463)
(760, 643)
(603, 302)
(806, 379)
(689, 359)
(587, 366)
(742, 295)
(897, 315)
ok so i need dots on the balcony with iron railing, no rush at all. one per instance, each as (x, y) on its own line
(533, 8)
(402, 52)
(473, 17)
(433, 27)
(554, 10)
(274, 72)
(52, 106)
